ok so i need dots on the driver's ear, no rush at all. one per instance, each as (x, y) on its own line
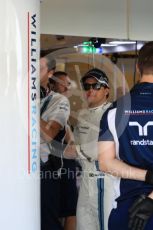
(107, 92)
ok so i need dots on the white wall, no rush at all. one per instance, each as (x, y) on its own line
(129, 19)
(19, 117)
(141, 19)
(98, 18)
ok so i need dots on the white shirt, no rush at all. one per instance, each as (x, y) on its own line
(58, 110)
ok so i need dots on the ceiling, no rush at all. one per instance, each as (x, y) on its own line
(60, 41)
(51, 43)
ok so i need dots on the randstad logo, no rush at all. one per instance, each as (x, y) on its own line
(142, 130)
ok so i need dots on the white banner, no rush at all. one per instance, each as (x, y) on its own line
(19, 117)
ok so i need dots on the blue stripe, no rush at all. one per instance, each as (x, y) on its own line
(100, 185)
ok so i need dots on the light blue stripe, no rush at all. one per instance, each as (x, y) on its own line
(100, 185)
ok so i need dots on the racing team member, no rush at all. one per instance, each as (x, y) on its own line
(68, 188)
(126, 150)
(90, 207)
(54, 114)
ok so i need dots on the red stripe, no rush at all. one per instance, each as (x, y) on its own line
(28, 93)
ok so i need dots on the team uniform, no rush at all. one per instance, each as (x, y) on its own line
(69, 192)
(129, 123)
(54, 107)
(68, 186)
(90, 207)
(58, 109)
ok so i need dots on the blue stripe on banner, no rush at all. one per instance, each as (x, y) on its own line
(100, 185)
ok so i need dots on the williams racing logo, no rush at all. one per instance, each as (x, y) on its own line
(142, 132)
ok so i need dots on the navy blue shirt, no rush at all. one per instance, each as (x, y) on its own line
(129, 123)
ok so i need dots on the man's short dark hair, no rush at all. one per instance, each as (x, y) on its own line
(57, 75)
(60, 73)
(145, 59)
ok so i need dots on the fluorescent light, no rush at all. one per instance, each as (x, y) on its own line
(108, 45)
(122, 42)
(81, 45)
(139, 46)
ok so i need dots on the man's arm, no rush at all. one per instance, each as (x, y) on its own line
(142, 208)
(110, 164)
(49, 130)
(57, 119)
(70, 150)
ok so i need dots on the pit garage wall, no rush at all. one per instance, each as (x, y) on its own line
(98, 18)
(19, 117)
(121, 19)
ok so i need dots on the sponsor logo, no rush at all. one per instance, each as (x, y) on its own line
(142, 131)
(33, 91)
(138, 112)
(141, 142)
